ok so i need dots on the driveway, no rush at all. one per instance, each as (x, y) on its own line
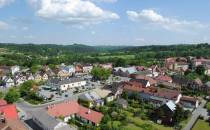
(196, 113)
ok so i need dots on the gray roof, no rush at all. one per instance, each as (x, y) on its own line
(49, 121)
(45, 119)
(122, 101)
(65, 81)
(207, 84)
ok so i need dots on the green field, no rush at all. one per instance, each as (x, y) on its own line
(201, 125)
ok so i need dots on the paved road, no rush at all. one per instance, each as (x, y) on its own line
(27, 108)
(199, 111)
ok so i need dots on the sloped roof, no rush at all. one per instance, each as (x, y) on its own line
(90, 115)
(70, 108)
(9, 111)
(171, 105)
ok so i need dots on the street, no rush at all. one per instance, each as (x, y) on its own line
(196, 113)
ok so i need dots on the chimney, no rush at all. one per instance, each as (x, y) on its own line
(2, 118)
(89, 111)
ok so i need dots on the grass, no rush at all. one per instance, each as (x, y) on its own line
(136, 123)
(132, 127)
(201, 125)
(147, 124)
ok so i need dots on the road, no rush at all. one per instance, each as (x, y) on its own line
(196, 113)
(25, 109)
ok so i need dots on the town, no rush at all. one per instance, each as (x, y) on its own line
(104, 97)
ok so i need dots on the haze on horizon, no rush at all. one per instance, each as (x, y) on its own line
(104, 22)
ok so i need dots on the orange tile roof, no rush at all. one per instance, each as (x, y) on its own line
(3, 102)
(63, 109)
(9, 112)
(91, 115)
(70, 107)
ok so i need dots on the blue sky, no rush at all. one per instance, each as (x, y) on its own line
(105, 22)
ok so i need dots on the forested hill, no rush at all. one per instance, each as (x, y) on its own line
(48, 49)
(158, 50)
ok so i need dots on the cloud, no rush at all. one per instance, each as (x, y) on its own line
(5, 2)
(73, 12)
(107, 1)
(25, 28)
(3, 25)
(152, 17)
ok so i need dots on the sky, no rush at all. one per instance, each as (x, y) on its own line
(105, 22)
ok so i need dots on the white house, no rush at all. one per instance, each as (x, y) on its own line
(15, 69)
(66, 84)
(87, 68)
(70, 69)
(9, 82)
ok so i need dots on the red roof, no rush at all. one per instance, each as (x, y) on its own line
(3, 102)
(188, 99)
(70, 107)
(90, 115)
(63, 109)
(138, 87)
(9, 112)
(164, 78)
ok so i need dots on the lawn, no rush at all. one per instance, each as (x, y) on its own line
(147, 124)
(201, 125)
(136, 123)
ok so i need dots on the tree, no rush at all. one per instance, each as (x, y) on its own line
(1, 94)
(12, 95)
(26, 87)
(178, 115)
(200, 70)
(120, 62)
(100, 73)
(208, 106)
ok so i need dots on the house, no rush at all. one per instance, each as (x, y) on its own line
(164, 114)
(140, 68)
(70, 69)
(66, 84)
(164, 78)
(207, 69)
(147, 73)
(8, 82)
(44, 76)
(207, 87)
(176, 64)
(30, 77)
(115, 88)
(191, 84)
(144, 82)
(71, 109)
(197, 62)
(92, 98)
(63, 74)
(156, 96)
(124, 72)
(151, 80)
(169, 85)
(38, 76)
(87, 68)
(78, 68)
(19, 79)
(9, 117)
(46, 122)
(122, 103)
(105, 94)
(15, 69)
(189, 103)
(106, 66)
